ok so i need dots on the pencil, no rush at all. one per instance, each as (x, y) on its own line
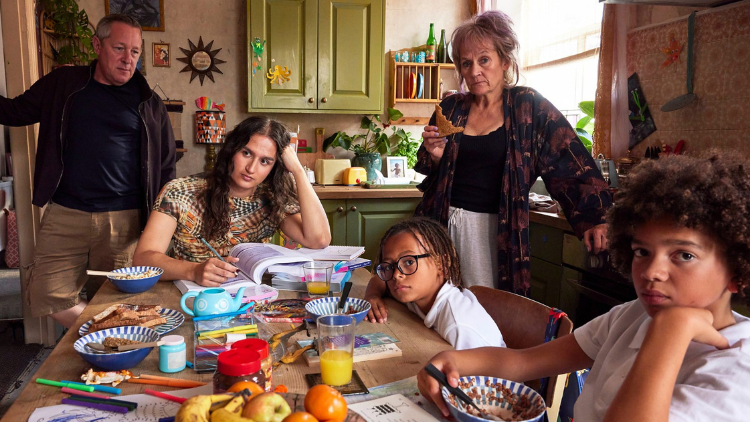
(220, 257)
(99, 406)
(165, 396)
(169, 383)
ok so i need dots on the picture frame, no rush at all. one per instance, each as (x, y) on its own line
(149, 13)
(161, 56)
(396, 166)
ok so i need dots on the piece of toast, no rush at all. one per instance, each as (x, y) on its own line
(151, 321)
(445, 127)
(123, 314)
(101, 316)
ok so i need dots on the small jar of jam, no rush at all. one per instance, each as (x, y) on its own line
(237, 365)
(259, 346)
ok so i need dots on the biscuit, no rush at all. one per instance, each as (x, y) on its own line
(445, 127)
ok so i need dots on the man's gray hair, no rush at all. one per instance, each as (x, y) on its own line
(104, 27)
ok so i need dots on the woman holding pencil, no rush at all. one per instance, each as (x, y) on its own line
(256, 187)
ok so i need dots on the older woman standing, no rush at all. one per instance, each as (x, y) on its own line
(478, 181)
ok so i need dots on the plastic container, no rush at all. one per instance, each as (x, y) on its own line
(237, 365)
(259, 346)
(172, 354)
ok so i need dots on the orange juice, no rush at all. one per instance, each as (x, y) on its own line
(317, 288)
(336, 367)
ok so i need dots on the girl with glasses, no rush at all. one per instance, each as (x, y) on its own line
(419, 264)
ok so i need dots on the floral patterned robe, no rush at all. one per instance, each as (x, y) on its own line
(540, 142)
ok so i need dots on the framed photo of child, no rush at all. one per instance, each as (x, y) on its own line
(396, 166)
(162, 56)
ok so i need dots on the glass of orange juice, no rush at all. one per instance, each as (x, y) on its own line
(336, 348)
(318, 278)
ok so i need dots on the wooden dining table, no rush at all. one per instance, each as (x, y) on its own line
(417, 343)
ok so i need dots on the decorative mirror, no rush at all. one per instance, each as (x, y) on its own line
(201, 60)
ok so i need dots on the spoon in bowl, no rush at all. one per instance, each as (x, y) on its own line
(440, 377)
(124, 348)
(344, 295)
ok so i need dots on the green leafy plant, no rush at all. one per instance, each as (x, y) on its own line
(407, 147)
(374, 140)
(585, 125)
(66, 20)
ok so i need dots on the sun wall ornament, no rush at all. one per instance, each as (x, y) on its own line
(279, 75)
(672, 51)
(201, 60)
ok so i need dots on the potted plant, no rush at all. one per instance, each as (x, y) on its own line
(368, 147)
(585, 125)
(68, 22)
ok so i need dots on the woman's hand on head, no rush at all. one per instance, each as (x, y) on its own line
(214, 272)
(430, 388)
(378, 310)
(433, 143)
(595, 238)
(290, 159)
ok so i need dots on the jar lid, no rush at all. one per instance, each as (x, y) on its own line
(173, 340)
(238, 362)
(257, 345)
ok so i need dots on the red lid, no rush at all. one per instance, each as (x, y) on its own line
(255, 344)
(238, 362)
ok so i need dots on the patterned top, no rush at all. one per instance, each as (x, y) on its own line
(539, 142)
(251, 219)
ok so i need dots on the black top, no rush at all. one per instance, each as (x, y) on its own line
(101, 155)
(479, 172)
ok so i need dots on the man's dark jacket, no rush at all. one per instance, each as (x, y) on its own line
(48, 102)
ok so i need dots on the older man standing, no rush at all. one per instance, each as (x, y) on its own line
(105, 149)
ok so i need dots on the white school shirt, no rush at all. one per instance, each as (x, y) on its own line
(712, 384)
(460, 319)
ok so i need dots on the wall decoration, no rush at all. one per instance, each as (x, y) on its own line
(279, 75)
(205, 103)
(257, 53)
(396, 166)
(161, 55)
(640, 115)
(149, 13)
(672, 51)
(141, 64)
(201, 60)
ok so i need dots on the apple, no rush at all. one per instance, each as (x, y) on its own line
(266, 407)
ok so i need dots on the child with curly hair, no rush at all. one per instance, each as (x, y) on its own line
(681, 228)
(419, 264)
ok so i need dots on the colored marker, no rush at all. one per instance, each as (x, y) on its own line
(97, 387)
(85, 388)
(99, 406)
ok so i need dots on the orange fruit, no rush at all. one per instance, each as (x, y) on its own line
(300, 417)
(253, 387)
(326, 404)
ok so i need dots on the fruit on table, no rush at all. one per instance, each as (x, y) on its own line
(254, 388)
(231, 412)
(196, 409)
(300, 417)
(266, 407)
(326, 404)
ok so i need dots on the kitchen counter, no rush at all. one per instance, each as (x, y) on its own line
(550, 219)
(358, 192)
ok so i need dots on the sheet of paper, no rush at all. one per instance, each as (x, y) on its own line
(149, 408)
(406, 387)
(394, 408)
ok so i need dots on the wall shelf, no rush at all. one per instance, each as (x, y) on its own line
(404, 74)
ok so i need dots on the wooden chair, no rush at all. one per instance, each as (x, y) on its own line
(523, 322)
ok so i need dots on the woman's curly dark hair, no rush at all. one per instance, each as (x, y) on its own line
(438, 244)
(278, 182)
(710, 193)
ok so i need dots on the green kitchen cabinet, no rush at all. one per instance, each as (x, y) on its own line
(546, 263)
(333, 49)
(362, 222)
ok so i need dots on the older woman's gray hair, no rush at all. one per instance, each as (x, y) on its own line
(494, 28)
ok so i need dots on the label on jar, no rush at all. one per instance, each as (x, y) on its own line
(176, 360)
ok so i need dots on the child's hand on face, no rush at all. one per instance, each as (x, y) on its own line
(430, 388)
(697, 323)
(378, 311)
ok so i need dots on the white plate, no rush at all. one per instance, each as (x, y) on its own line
(174, 320)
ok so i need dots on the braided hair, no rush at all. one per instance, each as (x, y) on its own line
(437, 243)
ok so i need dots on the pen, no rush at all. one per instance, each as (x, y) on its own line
(97, 387)
(219, 256)
(85, 388)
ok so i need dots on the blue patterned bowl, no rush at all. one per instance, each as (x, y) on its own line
(135, 285)
(327, 306)
(487, 393)
(117, 360)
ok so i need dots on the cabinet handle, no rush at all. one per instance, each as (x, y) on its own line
(324, 100)
(311, 100)
(353, 208)
(340, 209)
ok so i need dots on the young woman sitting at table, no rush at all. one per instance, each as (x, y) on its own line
(419, 264)
(247, 196)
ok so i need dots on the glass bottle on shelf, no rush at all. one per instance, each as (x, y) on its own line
(442, 49)
(431, 45)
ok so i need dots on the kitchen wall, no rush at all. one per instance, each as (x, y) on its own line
(224, 22)
(721, 115)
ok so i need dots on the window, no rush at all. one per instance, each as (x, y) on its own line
(559, 53)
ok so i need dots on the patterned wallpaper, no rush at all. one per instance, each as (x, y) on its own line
(720, 117)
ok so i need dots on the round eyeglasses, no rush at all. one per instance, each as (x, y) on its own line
(407, 264)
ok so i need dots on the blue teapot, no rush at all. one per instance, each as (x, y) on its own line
(212, 301)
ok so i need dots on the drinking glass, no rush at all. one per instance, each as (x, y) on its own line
(336, 348)
(318, 278)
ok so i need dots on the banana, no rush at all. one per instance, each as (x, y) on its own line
(224, 415)
(235, 405)
(196, 409)
(277, 338)
(290, 357)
